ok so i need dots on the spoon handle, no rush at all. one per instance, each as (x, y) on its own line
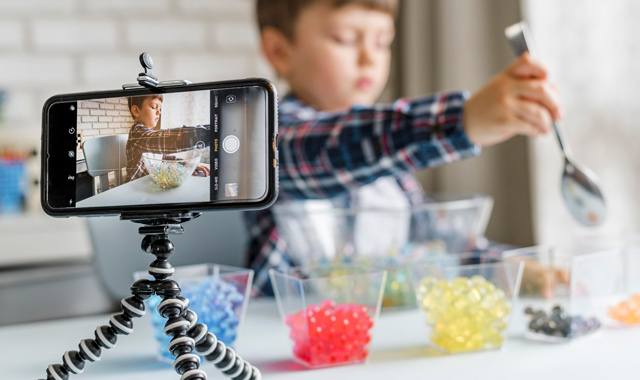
(564, 147)
(521, 42)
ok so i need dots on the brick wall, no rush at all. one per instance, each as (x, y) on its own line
(103, 117)
(49, 47)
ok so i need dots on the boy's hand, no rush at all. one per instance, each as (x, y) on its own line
(519, 100)
(202, 171)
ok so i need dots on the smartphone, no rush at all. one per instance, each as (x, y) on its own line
(195, 147)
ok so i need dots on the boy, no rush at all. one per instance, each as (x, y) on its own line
(143, 137)
(335, 56)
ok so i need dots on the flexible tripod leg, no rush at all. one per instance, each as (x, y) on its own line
(73, 362)
(187, 335)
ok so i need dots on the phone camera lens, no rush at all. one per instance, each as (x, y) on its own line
(231, 98)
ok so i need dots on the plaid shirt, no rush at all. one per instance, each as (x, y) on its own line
(144, 139)
(323, 155)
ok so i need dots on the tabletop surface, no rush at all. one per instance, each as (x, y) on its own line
(398, 348)
(145, 191)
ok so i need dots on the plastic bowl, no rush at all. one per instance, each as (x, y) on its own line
(568, 289)
(218, 294)
(466, 308)
(330, 312)
(171, 170)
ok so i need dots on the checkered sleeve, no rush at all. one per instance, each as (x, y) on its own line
(336, 152)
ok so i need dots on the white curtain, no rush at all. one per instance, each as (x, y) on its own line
(592, 50)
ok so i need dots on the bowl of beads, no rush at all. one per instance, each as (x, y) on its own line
(466, 307)
(566, 290)
(348, 229)
(330, 317)
(171, 170)
(219, 296)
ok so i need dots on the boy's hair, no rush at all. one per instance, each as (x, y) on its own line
(283, 14)
(137, 100)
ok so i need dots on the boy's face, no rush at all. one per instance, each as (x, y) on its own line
(149, 113)
(340, 56)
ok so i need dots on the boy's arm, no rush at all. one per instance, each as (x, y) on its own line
(167, 140)
(329, 155)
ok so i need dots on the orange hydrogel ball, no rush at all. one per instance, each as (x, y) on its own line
(627, 312)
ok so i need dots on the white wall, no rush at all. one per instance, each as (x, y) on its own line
(49, 47)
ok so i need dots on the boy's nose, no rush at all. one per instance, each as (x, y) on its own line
(365, 57)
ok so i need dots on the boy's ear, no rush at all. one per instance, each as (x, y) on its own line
(135, 111)
(277, 49)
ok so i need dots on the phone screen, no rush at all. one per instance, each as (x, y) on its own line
(171, 148)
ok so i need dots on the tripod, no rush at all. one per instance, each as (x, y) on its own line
(188, 337)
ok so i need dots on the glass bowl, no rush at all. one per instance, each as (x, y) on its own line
(171, 170)
(331, 232)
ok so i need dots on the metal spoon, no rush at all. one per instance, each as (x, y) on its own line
(580, 189)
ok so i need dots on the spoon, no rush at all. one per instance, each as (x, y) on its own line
(580, 188)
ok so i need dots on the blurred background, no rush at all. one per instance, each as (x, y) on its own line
(50, 47)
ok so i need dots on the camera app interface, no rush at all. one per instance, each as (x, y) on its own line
(186, 147)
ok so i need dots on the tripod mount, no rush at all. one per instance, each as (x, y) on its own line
(188, 337)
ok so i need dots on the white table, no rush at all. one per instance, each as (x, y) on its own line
(145, 191)
(398, 351)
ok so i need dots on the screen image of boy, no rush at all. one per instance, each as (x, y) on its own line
(166, 148)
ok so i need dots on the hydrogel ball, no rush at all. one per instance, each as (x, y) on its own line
(330, 334)
(465, 314)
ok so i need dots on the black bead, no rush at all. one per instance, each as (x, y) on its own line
(217, 352)
(528, 311)
(121, 324)
(160, 269)
(143, 288)
(197, 375)
(235, 368)
(176, 326)
(105, 336)
(74, 364)
(162, 248)
(229, 357)
(184, 346)
(170, 308)
(133, 307)
(168, 289)
(205, 344)
(557, 309)
(186, 362)
(245, 372)
(58, 370)
(147, 241)
(89, 350)
(255, 374)
(190, 315)
(198, 333)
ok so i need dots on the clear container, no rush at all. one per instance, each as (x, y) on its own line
(171, 170)
(337, 231)
(218, 294)
(466, 307)
(330, 312)
(567, 289)
(624, 308)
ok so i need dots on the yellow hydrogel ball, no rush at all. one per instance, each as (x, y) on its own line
(465, 314)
